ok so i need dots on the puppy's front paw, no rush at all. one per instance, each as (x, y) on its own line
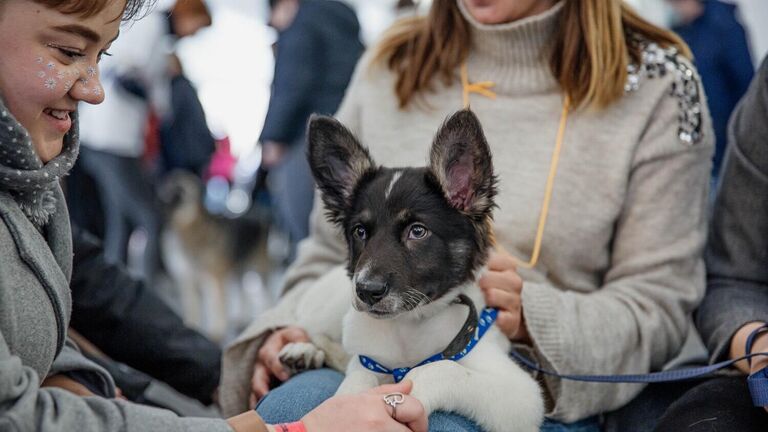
(300, 356)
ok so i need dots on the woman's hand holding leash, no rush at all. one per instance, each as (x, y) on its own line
(738, 349)
(268, 364)
(502, 287)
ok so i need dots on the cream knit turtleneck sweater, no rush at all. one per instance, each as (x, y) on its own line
(620, 269)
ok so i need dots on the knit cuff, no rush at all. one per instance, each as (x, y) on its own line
(540, 305)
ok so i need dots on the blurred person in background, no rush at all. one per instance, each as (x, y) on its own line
(316, 51)
(186, 142)
(113, 134)
(712, 30)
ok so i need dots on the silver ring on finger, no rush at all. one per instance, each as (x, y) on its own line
(393, 400)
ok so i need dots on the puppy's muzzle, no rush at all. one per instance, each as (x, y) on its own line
(371, 291)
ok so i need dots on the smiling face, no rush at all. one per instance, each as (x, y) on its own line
(49, 64)
(504, 11)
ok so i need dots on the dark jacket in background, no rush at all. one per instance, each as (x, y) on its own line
(315, 59)
(186, 141)
(721, 55)
(737, 249)
(132, 325)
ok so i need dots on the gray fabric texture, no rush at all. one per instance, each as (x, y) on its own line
(35, 304)
(737, 248)
(22, 174)
(621, 267)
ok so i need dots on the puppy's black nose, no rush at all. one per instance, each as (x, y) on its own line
(371, 291)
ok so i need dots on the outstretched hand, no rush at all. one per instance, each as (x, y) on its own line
(368, 412)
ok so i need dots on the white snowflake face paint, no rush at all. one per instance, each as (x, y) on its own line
(45, 54)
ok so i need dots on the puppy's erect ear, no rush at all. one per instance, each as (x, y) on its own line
(461, 161)
(338, 162)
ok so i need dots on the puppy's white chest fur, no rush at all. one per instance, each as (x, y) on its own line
(484, 385)
(408, 339)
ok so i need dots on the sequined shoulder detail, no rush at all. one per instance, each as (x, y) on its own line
(657, 62)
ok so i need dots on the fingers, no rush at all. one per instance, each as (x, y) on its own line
(411, 412)
(502, 300)
(507, 280)
(500, 260)
(259, 383)
(292, 334)
(509, 323)
(403, 387)
(269, 355)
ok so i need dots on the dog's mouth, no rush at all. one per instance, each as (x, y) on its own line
(387, 308)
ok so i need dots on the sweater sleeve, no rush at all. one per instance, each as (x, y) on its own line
(737, 250)
(640, 317)
(25, 406)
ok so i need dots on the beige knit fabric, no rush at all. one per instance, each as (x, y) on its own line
(620, 269)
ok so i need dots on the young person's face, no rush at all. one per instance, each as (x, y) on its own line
(49, 63)
(503, 11)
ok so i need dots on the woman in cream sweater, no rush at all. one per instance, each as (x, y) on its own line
(610, 285)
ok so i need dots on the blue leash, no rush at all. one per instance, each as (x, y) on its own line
(758, 382)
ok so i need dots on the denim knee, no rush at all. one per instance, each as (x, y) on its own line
(299, 395)
(441, 421)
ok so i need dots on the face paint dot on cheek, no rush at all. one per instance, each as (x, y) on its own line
(50, 65)
(50, 83)
(41, 74)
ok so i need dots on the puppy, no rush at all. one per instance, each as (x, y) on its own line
(417, 240)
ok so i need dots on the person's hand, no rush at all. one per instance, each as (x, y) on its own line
(268, 363)
(502, 288)
(738, 349)
(368, 412)
(66, 383)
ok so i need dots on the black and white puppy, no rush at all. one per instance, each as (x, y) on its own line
(418, 239)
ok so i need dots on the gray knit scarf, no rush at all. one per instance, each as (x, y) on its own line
(23, 174)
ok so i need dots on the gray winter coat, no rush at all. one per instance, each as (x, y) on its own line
(35, 266)
(737, 249)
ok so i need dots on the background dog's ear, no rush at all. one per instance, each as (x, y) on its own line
(461, 161)
(338, 162)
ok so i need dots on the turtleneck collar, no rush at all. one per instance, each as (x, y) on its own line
(514, 55)
(23, 175)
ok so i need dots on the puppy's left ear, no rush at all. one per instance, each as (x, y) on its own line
(338, 162)
(461, 161)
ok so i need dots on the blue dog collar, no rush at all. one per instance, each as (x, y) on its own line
(484, 322)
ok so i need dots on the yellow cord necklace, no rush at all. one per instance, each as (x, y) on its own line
(482, 88)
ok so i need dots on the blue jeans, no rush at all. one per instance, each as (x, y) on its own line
(305, 391)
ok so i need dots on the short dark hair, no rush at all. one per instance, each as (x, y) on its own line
(134, 9)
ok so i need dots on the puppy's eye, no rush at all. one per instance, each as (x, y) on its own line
(417, 232)
(360, 232)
